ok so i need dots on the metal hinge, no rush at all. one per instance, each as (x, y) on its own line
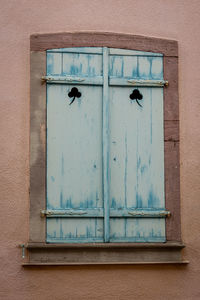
(156, 83)
(61, 78)
(159, 213)
(48, 213)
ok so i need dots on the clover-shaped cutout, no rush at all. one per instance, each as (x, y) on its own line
(136, 95)
(74, 93)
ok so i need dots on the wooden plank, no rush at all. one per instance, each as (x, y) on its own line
(82, 64)
(37, 147)
(136, 67)
(137, 230)
(41, 42)
(54, 63)
(74, 230)
(105, 144)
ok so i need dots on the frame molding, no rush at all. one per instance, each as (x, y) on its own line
(39, 43)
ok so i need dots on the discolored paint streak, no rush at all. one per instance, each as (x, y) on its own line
(153, 200)
(113, 203)
(61, 199)
(139, 201)
(62, 165)
(125, 171)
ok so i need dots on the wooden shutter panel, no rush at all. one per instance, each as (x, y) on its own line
(136, 148)
(127, 142)
(74, 148)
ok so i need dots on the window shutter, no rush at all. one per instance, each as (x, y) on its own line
(136, 148)
(74, 146)
(105, 151)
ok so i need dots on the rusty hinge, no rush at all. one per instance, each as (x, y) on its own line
(49, 213)
(154, 83)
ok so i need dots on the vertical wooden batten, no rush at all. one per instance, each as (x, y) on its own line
(105, 146)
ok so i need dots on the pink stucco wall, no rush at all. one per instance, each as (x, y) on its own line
(173, 19)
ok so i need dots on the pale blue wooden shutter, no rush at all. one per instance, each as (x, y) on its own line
(136, 148)
(74, 146)
(105, 153)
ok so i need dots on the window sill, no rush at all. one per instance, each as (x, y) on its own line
(41, 254)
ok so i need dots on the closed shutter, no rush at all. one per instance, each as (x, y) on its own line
(105, 153)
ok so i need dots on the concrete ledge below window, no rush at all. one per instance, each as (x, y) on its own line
(101, 254)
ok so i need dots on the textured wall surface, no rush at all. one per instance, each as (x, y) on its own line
(173, 19)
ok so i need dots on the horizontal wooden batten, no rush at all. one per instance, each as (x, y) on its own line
(135, 82)
(104, 253)
(98, 80)
(99, 213)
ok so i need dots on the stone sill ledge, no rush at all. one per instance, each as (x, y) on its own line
(42, 254)
(183, 262)
(177, 245)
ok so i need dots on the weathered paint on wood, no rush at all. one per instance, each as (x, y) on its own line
(110, 131)
(105, 145)
(137, 150)
(74, 158)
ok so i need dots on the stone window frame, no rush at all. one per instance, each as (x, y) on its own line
(39, 252)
